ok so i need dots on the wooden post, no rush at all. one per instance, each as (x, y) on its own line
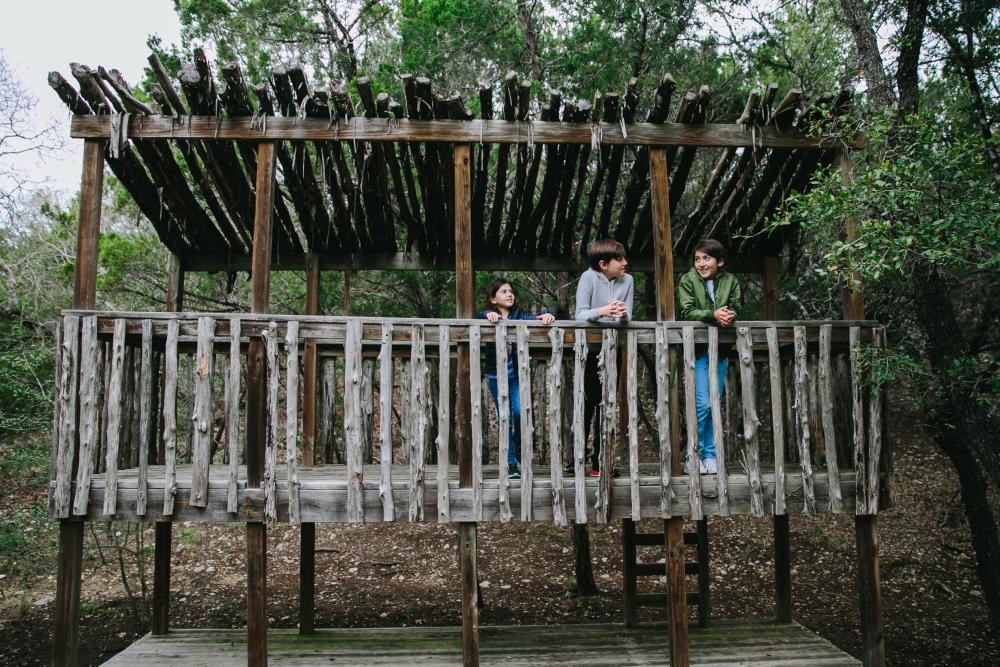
(307, 534)
(465, 279)
(865, 525)
(66, 635)
(782, 534)
(663, 264)
(256, 436)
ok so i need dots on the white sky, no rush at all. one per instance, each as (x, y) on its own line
(38, 36)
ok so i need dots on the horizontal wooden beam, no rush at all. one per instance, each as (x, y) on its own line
(210, 128)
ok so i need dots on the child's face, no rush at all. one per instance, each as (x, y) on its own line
(613, 268)
(706, 265)
(504, 298)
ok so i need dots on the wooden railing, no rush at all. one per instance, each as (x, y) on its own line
(807, 438)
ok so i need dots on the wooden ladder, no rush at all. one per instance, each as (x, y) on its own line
(633, 569)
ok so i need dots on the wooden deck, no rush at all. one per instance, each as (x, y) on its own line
(323, 494)
(722, 644)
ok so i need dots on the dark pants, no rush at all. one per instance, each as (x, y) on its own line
(592, 391)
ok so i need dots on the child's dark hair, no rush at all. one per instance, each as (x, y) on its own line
(604, 250)
(491, 291)
(712, 248)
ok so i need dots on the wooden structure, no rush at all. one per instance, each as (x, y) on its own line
(286, 177)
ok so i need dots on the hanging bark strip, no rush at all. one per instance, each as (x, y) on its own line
(292, 418)
(444, 423)
(554, 422)
(271, 449)
(201, 416)
(114, 418)
(233, 415)
(829, 424)
(751, 424)
(89, 409)
(385, 424)
(778, 421)
(170, 417)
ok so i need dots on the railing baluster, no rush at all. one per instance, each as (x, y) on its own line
(858, 412)
(579, 434)
(271, 450)
(503, 421)
(751, 424)
(145, 409)
(663, 419)
(444, 422)
(554, 422)
(632, 390)
(67, 411)
(57, 400)
(608, 425)
(714, 400)
(874, 428)
(170, 418)
(691, 417)
(292, 418)
(88, 412)
(352, 422)
(802, 412)
(385, 424)
(527, 422)
(777, 419)
(826, 411)
(114, 418)
(418, 421)
(476, 413)
(201, 415)
(233, 415)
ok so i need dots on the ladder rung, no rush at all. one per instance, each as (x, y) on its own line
(658, 539)
(660, 599)
(660, 569)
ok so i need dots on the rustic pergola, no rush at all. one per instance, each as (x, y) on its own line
(288, 177)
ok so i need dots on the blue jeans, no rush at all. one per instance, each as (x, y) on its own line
(706, 443)
(514, 390)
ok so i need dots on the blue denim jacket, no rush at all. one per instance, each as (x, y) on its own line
(490, 351)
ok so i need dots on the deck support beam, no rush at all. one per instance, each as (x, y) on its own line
(663, 264)
(865, 526)
(66, 636)
(256, 437)
(307, 530)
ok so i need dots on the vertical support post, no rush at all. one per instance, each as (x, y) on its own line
(782, 531)
(66, 637)
(465, 279)
(865, 525)
(163, 530)
(307, 530)
(630, 588)
(260, 292)
(663, 265)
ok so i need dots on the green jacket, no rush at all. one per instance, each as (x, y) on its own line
(692, 295)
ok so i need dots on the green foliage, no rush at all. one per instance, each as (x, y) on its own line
(27, 370)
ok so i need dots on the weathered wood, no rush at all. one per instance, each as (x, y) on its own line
(161, 578)
(554, 425)
(782, 568)
(444, 422)
(271, 447)
(292, 419)
(89, 408)
(309, 380)
(232, 399)
(385, 424)
(352, 421)
(527, 421)
(170, 416)
(579, 428)
(609, 423)
(858, 413)
(418, 424)
(114, 399)
(777, 420)
(67, 410)
(802, 413)
(874, 429)
(751, 423)
(201, 415)
(663, 420)
(632, 384)
(715, 405)
(145, 408)
(470, 594)
(476, 420)
(691, 419)
(503, 420)
(826, 409)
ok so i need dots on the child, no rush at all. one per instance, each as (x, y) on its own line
(706, 293)
(604, 294)
(501, 304)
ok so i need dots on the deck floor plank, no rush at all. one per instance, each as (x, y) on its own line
(722, 644)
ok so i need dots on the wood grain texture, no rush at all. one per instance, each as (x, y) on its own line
(68, 366)
(385, 424)
(503, 420)
(292, 419)
(691, 420)
(201, 416)
(579, 433)
(352, 422)
(715, 405)
(608, 365)
(232, 399)
(444, 421)
(632, 399)
(802, 414)
(554, 423)
(777, 419)
(272, 421)
(89, 411)
(114, 430)
(751, 423)
(527, 420)
(825, 381)
(858, 423)
(663, 425)
(170, 417)
(874, 429)
(476, 414)
(418, 425)
(145, 412)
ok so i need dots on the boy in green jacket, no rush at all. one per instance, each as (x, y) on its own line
(706, 294)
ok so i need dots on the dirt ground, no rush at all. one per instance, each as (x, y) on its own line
(401, 575)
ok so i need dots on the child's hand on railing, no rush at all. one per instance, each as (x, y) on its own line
(547, 318)
(492, 316)
(724, 316)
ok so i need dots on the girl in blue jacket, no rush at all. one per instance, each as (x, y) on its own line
(501, 304)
